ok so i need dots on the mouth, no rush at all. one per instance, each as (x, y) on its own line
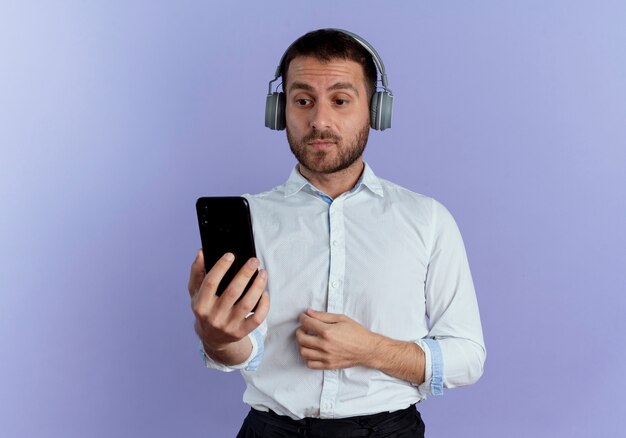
(321, 145)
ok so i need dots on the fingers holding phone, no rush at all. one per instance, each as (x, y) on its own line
(247, 273)
(197, 273)
(223, 320)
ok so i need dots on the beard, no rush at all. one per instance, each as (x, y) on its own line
(321, 161)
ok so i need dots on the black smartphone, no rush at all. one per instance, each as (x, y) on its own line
(225, 226)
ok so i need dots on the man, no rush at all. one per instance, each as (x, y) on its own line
(372, 302)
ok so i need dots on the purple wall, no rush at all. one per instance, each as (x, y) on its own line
(115, 116)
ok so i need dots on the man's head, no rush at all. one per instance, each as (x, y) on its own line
(328, 80)
(329, 44)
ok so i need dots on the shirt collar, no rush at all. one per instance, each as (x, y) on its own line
(297, 182)
(371, 181)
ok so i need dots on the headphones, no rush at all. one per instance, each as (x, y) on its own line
(380, 106)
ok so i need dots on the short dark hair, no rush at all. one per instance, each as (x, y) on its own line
(328, 44)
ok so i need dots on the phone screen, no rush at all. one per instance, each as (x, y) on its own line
(226, 226)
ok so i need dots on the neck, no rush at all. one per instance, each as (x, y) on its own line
(334, 184)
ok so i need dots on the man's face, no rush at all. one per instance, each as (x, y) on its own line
(327, 113)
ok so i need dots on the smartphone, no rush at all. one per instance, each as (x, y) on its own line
(225, 226)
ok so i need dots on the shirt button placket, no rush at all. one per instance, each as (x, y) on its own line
(336, 245)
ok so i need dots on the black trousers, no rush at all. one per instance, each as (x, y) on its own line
(406, 423)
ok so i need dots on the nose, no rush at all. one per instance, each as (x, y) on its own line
(320, 117)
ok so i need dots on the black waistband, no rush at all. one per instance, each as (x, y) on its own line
(360, 426)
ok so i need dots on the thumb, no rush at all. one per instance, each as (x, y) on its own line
(326, 317)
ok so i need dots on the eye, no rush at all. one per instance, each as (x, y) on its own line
(303, 102)
(340, 102)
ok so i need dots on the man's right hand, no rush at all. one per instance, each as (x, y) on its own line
(222, 323)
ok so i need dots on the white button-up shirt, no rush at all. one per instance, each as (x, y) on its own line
(390, 259)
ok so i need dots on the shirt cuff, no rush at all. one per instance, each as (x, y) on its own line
(250, 364)
(433, 372)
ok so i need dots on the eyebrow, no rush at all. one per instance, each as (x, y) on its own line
(338, 86)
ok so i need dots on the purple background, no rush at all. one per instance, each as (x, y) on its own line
(115, 116)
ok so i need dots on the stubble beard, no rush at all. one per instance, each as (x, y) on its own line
(317, 161)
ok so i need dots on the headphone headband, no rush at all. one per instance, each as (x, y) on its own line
(380, 105)
(367, 46)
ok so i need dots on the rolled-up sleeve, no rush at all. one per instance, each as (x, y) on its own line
(433, 372)
(253, 361)
(454, 347)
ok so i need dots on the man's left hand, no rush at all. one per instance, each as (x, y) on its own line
(330, 341)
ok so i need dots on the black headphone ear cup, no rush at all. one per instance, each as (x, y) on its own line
(374, 103)
(275, 111)
(381, 107)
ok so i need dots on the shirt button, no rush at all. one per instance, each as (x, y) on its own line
(335, 242)
(334, 284)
